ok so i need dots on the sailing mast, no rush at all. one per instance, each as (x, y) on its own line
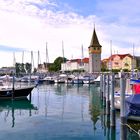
(82, 63)
(133, 63)
(14, 60)
(47, 56)
(32, 61)
(22, 57)
(111, 55)
(39, 59)
(63, 55)
(63, 51)
(14, 63)
(82, 54)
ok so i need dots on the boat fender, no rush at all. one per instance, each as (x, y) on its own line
(8, 93)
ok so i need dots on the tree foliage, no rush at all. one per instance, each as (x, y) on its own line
(56, 65)
(22, 68)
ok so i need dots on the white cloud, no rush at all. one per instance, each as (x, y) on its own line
(30, 24)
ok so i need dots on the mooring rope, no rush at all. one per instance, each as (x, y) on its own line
(137, 132)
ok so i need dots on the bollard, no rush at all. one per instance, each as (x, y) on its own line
(113, 117)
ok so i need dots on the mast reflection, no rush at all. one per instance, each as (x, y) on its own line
(12, 106)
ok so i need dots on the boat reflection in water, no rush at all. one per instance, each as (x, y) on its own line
(7, 106)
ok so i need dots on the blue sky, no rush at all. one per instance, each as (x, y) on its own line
(29, 24)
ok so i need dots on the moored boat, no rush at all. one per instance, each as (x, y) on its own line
(88, 79)
(16, 93)
(133, 104)
(78, 80)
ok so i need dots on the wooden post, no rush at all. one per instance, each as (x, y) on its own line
(13, 87)
(123, 135)
(113, 117)
(107, 97)
(101, 86)
(104, 90)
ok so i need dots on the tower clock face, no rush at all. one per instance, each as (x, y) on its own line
(94, 50)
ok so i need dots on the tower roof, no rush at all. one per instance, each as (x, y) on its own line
(94, 40)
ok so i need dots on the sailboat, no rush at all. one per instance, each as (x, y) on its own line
(12, 91)
(133, 102)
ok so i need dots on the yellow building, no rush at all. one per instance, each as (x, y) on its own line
(121, 61)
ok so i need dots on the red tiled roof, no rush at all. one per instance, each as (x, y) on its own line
(84, 60)
(120, 55)
(105, 60)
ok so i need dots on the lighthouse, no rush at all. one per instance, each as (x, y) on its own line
(95, 50)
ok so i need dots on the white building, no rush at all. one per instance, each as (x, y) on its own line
(76, 64)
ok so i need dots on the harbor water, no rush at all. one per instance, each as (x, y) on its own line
(59, 112)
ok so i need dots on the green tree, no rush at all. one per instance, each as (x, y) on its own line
(17, 67)
(28, 67)
(22, 67)
(56, 66)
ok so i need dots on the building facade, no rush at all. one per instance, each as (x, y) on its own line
(76, 64)
(94, 54)
(120, 61)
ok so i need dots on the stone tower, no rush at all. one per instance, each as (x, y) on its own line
(94, 54)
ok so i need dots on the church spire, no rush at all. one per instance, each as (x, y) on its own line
(94, 40)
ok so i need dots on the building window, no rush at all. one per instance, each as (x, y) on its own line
(126, 65)
(116, 63)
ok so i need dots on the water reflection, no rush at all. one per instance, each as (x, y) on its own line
(94, 108)
(7, 106)
(64, 112)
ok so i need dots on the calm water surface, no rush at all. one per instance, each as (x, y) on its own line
(58, 112)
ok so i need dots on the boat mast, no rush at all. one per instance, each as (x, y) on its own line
(32, 61)
(63, 51)
(63, 55)
(39, 59)
(82, 57)
(22, 57)
(111, 55)
(47, 56)
(82, 54)
(14, 64)
(133, 63)
(14, 60)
